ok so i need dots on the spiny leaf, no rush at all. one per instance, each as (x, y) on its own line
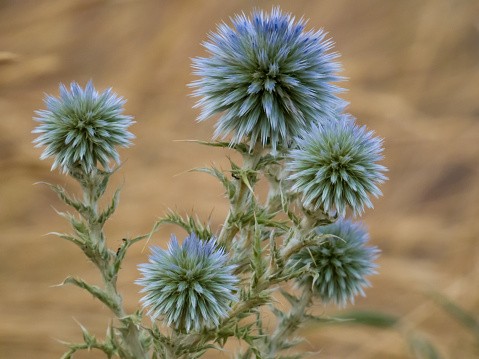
(72, 239)
(257, 263)
(93, 290)
(228, 185)
(300, 243)
(106, 177)
(269, 160)
(240, 147)
(103, 217)
(189, 224)
(72, 202)
(79, 226)
(248, 176)
(276, 261)
(254, 214)
(139, 238)
(88, 338)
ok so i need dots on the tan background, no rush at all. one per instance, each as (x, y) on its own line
(414, 78)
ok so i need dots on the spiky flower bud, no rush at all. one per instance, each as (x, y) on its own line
(269, 77)
(190, 287)
(340, 264)
(82, 128)
(335, 166)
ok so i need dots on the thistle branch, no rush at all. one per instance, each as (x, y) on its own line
(94, 246)
(243, 190)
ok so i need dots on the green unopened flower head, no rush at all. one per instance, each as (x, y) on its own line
(82, 128)
(335, 166)
(189, 286)
(340, 264)
(269, 77)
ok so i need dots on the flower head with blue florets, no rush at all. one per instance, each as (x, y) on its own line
(82, 128)
(270, 78)
(340, 263)
(190, 286)
(335, 166)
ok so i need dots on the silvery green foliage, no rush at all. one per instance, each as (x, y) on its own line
(83, 127)
(335, 166)
(340, 263)
(270, 77)
(190, 286)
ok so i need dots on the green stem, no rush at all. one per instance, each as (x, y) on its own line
(238, 203)
(101, 257)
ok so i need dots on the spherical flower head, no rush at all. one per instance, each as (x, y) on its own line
(190, 287)
(340, 263)
(269, 77)
(82, 128)
(335, 166)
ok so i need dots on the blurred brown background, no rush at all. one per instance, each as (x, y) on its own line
(414, 78)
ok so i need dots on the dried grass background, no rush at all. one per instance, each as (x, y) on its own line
(414, 78)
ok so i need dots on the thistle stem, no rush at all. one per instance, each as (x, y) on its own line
(101, 258)
(238, 203)
(289, 324)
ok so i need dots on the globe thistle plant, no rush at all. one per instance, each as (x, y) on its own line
(270, 78)
(340, 263)
(83, 127)
(189, 286)
(335, 166)
(271, 83)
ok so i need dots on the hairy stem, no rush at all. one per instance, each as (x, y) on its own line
(238, 203)
(289, 324)
(101, 258)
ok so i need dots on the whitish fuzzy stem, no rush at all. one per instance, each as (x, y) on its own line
(176, 341)
(279, 187)
(101, 258)
(238, 203)
(289, 324)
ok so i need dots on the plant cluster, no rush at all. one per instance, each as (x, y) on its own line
(271, 81)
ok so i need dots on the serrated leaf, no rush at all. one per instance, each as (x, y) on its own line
(103, 217)
(258, 265)
(88, 338)
(230, 188)
(240, 147)
(269, 160)
(63, 195)
(247, 176)
(93, 290)
(72, 239)
(189, 225)
(295, 245)
(139, 238)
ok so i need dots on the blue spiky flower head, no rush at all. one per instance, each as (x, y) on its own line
(340, 263)
(190, 286)
(269, 77)
(82, 128)
(335, 166)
